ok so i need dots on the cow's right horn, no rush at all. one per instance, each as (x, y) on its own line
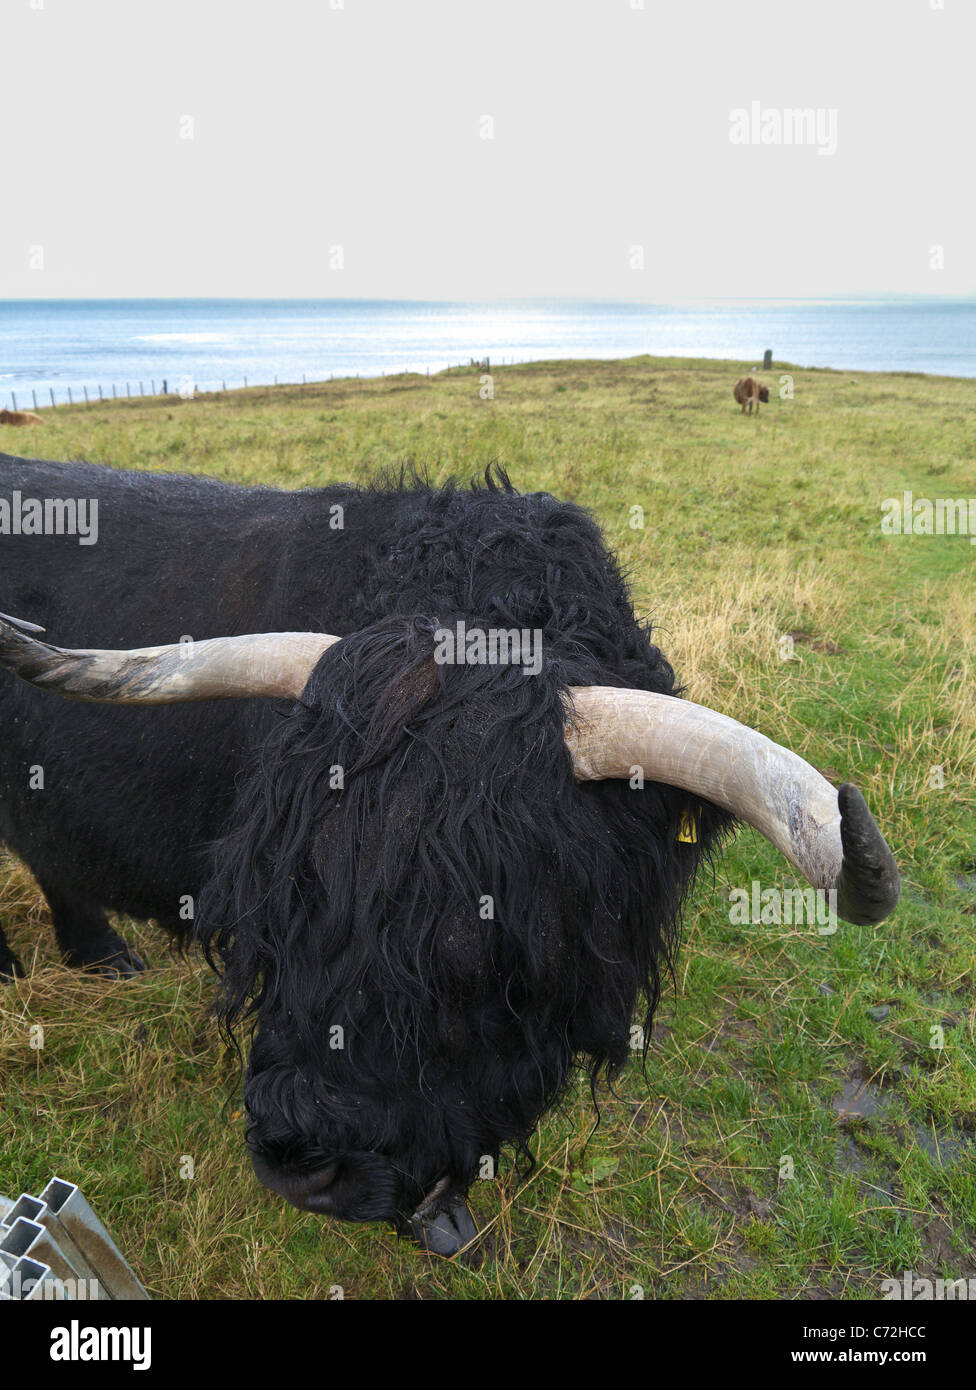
(829, 836)
(20, 623)
(271, 664)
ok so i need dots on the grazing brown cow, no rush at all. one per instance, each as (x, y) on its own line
(747, 390)
(19, 417)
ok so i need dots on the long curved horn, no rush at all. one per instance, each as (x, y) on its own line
(19, 622)
(830, 836)
(222, 668)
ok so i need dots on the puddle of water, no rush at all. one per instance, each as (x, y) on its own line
(941, 1148)
(862, 1099)
(849, 1159)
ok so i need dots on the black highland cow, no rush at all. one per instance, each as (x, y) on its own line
(429, 885)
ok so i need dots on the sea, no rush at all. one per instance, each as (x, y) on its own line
(49, 348)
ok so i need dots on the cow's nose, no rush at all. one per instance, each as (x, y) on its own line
(442, 1223)
(309, 1191)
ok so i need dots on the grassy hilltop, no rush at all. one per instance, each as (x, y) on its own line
(780, 1050)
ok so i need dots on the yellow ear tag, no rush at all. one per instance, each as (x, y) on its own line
(687, 830)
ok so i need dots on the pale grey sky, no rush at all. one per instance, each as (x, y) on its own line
(360, 125)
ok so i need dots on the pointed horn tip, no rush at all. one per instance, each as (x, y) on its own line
(20, 623)
(869, 885)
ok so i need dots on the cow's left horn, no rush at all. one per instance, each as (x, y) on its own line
(829, 836)
(264, 663)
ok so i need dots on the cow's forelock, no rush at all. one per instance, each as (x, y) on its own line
(429, 945)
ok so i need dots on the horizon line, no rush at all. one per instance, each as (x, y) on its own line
(884, 296)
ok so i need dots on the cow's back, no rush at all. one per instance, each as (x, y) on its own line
(133, 795)
(127, 790)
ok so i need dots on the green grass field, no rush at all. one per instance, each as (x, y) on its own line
(806, 1124)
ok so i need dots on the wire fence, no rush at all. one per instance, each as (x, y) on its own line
(185, 388)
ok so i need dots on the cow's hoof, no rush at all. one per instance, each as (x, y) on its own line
(120, 965)
(442, 1224)
(10, 969)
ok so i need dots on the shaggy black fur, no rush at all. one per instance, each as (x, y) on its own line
(361, 907)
